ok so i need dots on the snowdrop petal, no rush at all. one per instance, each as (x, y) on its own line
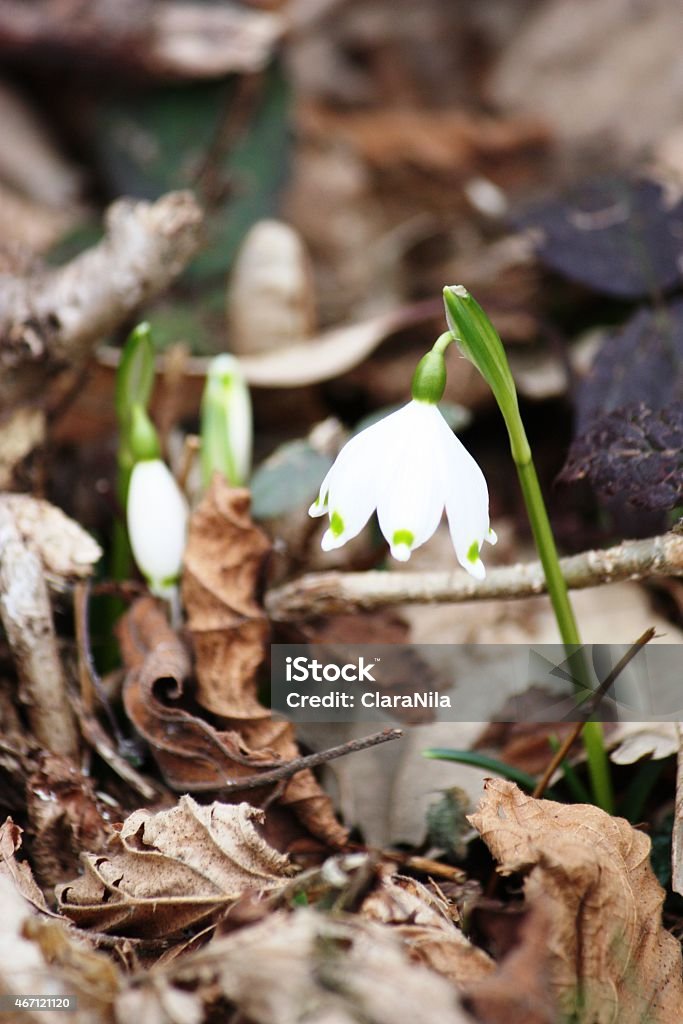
(467, 507)
(157, 516)
(411, 498)
(350, 487)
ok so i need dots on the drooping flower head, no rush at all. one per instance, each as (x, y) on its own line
(157, 516)
(156, 510)
(409, 467)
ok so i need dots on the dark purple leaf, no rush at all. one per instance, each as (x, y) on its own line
(618, 237)
(635, 453)
(643, 362)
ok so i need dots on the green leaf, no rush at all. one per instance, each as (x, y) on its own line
(135, 374)
(489, 764)
(288, 480)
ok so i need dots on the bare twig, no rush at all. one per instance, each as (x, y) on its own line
(297, 764)
(588, 709)
(334, 592)
(49, 320)
(27, 618)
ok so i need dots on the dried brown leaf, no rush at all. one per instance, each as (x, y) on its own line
(25, 967)
(609, 953)
(65, 818)
(518, 992)
(307, 966)
(19, 872)
(191, 754)
(174, 868)
(446, 142)
(223, 564)
(424, 922)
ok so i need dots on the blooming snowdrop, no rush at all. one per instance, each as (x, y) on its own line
(157, 514)
(409, 467)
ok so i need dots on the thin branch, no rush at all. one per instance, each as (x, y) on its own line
(297, 764)
(331, 593)
(588, 709)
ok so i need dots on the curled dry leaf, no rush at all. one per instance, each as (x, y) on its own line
(20, 873)
(169, 870)
(610, 957)
(307, 966)
(65, 549)
(424, 922)
(224, 561)
(223, 565)
(632, 741)
(191, 754)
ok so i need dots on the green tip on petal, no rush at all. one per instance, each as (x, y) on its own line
(336, 524)
(473, 552)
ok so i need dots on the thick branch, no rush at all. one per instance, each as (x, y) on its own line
(51, 319)
(331, 593)
(167, 38)
(27, 619)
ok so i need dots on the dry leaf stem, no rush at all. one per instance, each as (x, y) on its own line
(588, 709)
(297, 764)
(331, 593)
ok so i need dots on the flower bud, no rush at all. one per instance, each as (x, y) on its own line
(157, 514)
(226, 423)
(479, 341)
(135, 374)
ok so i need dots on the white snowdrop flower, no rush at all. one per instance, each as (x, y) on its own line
(157, 514)
(409, 467)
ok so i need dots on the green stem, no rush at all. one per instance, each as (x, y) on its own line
(598, 763)
(479, 341)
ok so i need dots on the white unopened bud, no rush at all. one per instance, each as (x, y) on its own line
(157, 515)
